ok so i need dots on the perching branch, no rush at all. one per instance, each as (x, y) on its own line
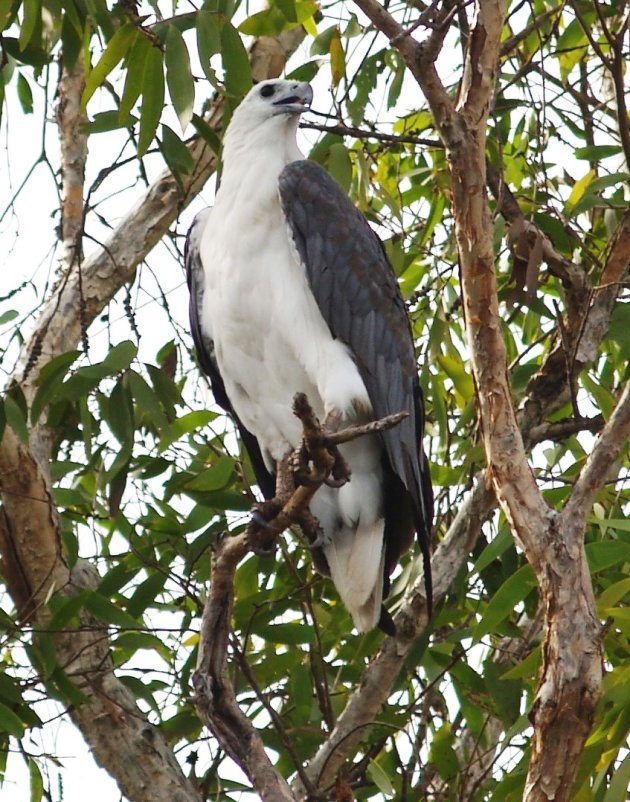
(215, 697)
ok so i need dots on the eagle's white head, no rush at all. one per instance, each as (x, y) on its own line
(268, 114)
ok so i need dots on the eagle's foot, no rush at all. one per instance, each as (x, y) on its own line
(311, 527)
(258, 537)
(302, 468)
(340, 472)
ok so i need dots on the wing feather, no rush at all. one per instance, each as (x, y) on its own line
(358, 295)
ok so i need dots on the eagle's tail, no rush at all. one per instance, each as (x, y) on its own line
(356, 556)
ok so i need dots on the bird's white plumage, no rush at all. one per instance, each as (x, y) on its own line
(271, 341)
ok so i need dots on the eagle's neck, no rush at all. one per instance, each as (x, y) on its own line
(254, 158)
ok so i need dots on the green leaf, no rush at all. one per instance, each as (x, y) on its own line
(597, 152)
(10, 723)
(114, 52)
(269, 22)
(175, 152)
(108, 612)
(305, 72)
(106, 121)
(136, 65)
(305, 10)
(30, 21)
(16, 419)
(25, 95)
(442, 753)
(120, 357)
(71, 42)
(144, 595)
(606, 553)
(49, 380)
(8, 316)
(321, 43)
(68, 611)
(179, 78)
(146, 399)
(502, 604)
(208, 41)
(185, 425)
(152, 100)
(527, 668)
(63, 688)
(461, 378)
(238, 74)
(134, 641)
(577, 193)
(182, 725)
(337, 58)
(380, 778)
(118, 413)
(214, 478)
(493, 550)
(613, 594)
(6, 8)
(287, 8)
(505, 693)
(207, 134)
(339, 165)
(620, 524)
(72, 15)
(293, 634)
(618, 788)
(9, 690)
(37, 782)
(572, 46)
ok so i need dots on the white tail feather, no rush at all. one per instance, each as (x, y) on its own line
(355, 557)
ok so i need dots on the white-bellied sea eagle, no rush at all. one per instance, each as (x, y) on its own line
(291, 291)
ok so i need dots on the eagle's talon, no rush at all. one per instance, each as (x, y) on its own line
(262, 551)
(341, 468)
(335, 483)
(261, 521)
(257, 518)
(321, 541)
(300, 468)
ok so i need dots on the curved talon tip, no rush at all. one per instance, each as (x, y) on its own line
(320, 541)
(259, 520)
(330, 482)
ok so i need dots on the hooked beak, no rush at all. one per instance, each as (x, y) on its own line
(296, 101)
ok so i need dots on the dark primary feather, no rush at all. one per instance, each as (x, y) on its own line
(358, 295)
(205, 351)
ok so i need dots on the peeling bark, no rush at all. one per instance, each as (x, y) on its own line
(74, 151)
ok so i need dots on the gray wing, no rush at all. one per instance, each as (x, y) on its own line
(358, 295)
(204, 347)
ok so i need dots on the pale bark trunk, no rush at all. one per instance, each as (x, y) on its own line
(571, 681)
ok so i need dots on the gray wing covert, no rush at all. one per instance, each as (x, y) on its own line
(359, 298)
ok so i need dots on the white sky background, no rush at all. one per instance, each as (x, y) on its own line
(26, 235)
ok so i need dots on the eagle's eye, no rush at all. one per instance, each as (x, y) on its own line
(267, 90)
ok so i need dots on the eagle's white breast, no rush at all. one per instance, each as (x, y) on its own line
(269, 336)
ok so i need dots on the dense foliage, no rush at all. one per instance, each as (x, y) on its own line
(147, 475)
